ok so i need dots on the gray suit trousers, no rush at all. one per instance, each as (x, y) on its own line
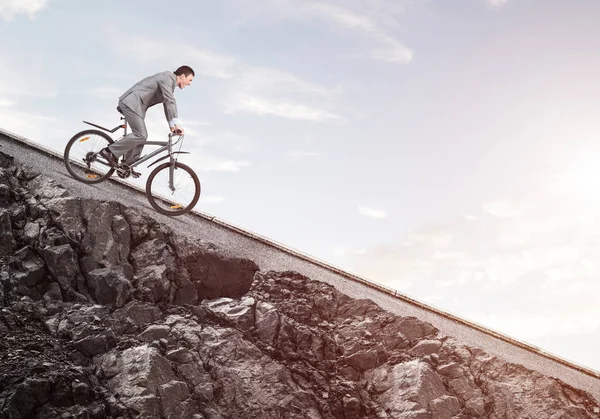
(132, 144)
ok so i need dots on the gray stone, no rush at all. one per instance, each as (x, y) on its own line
(426, 347)
(239, 313)
(267, 322)
(31, 232)
(445, 407)
(7, 241)
(155, 332)
(53, 293)
(109, 286)
(62, 264)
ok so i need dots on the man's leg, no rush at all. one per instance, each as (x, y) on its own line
(132, 144)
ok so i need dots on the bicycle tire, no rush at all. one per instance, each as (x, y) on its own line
(77, 169)
(170, 207)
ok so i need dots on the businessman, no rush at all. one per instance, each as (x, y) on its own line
(134, 103)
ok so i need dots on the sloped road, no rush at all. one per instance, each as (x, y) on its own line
(271, 256)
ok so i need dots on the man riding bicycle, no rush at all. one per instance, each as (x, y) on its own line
(134, 103)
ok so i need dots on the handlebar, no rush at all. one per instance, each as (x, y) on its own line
(173, 134)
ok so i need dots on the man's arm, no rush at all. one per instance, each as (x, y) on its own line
(165, 83)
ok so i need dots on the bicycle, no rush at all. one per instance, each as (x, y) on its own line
(172, 188)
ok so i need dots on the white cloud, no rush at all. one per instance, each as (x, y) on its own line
(210, 63)
(248, 89)
(261, 80)
(496, 3)
(502, 208)
(370, 212)
(6, 102)
(270, 91)
(295, 154)
(579, 179)
(11, 8)
(341, 16)
(387, 48)
(430, 238)
(449, 256)
(203, 61)
(367, 20)
(263, 106)
(516, 238)
(103, 92)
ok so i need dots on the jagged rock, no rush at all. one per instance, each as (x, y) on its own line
(109, 286)
(3, 279)
(31, 232)
(175, 400)
(5, 195)
(38, 376)
(108, 314)
(451, 370)
(155, 332)
(412, 328)
(62, 264)
(7, 240)
(107, 240)
(45, 189)
(136, 374)
(51, 237)
(445, 407)
(363, 360)
(53, 293)
(218, 274)
(29, 272)
(427, 347)
(135, 317)
(238, 312)
(407, 387)
(153, 283)
(267, 322)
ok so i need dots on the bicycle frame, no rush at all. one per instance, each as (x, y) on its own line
(166, 146)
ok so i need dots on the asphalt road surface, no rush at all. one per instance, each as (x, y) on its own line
(271, 256)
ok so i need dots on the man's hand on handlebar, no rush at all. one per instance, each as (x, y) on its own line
(177, 130)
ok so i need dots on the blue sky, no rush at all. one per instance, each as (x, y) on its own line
(445, 148)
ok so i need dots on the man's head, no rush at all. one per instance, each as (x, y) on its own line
(184, 76)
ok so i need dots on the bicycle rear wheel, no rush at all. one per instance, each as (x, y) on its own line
(185, 193)
(81, 157)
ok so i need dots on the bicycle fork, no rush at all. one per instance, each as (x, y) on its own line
(171, 168)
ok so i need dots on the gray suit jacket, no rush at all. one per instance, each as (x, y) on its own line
(150, 91)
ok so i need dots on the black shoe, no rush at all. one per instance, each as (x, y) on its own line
(109, 156)
(135, 174)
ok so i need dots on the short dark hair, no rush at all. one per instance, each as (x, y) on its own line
(185, 70)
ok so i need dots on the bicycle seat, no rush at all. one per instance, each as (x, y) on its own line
(120, 110)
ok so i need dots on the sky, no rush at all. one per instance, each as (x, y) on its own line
(448, 149)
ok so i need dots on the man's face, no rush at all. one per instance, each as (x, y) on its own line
(183, 80)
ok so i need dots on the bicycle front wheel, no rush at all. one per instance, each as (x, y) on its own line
(175, 200)
(81, 156)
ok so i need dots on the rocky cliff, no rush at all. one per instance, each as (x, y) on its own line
(104, 313)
